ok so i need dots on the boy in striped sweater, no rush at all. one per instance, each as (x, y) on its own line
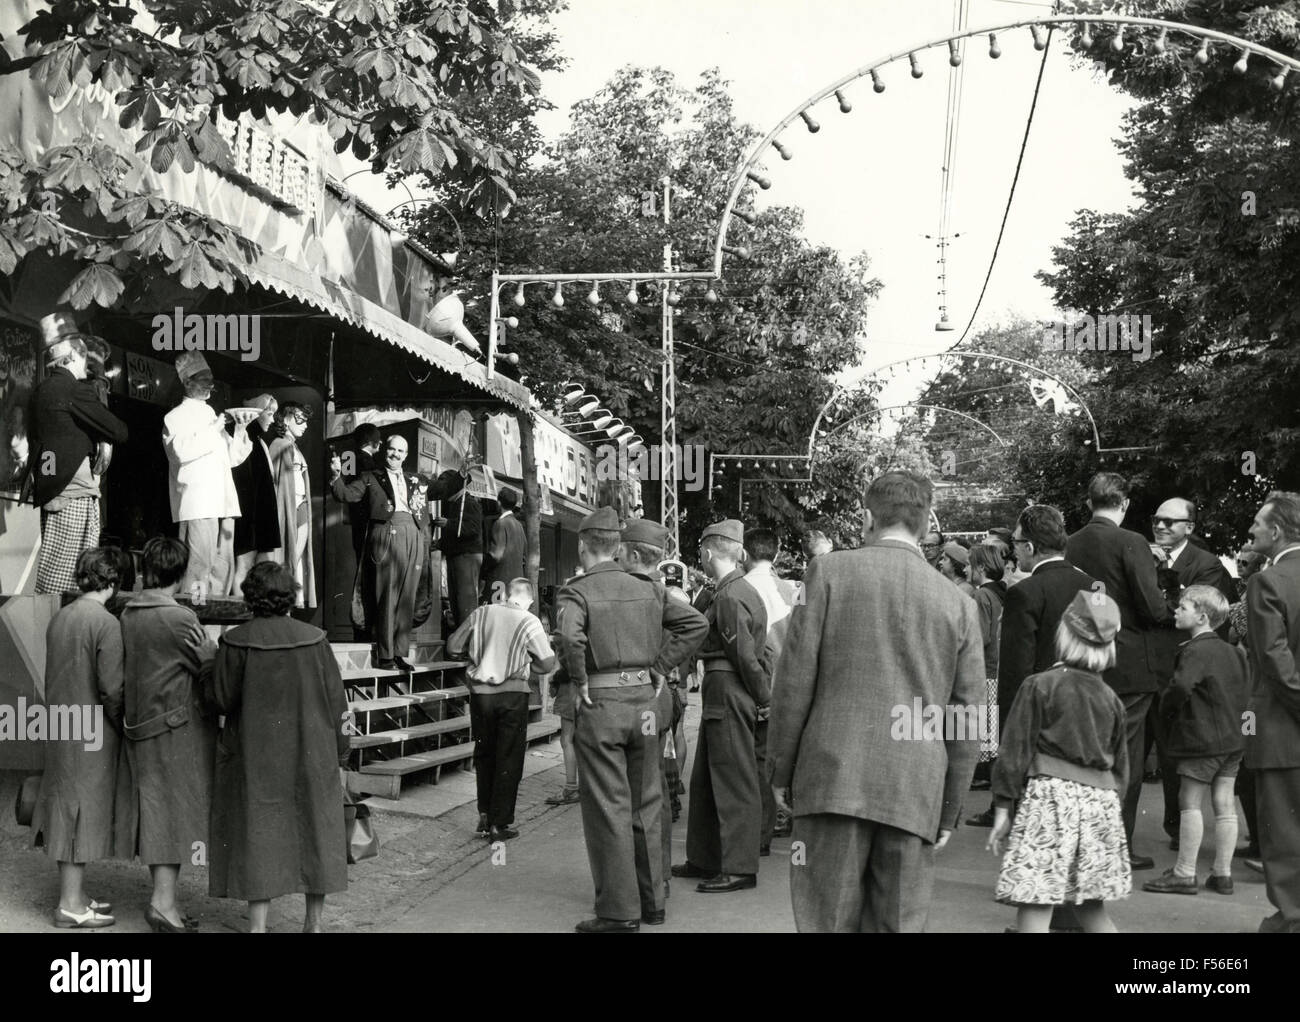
(500, 640)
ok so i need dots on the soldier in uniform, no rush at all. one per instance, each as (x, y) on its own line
(724, 822)
(640, 552)
(612, 645)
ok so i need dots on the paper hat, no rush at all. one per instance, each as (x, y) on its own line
(190, 364)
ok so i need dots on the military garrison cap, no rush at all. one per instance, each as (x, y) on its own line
(601, 518)
(729, 528)
(642, 530)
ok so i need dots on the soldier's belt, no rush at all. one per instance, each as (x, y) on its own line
(629, 677)
(719, 664)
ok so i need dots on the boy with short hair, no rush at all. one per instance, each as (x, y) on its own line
(1203, 709)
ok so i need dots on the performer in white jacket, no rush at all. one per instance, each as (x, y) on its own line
(200, 454)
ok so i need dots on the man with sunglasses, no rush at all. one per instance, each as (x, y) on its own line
(1120, 560)
(1186, 563)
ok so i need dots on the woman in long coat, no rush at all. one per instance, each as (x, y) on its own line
(171, 728)
(257, 529)
(293, 494)
(277, 818)
(74, 812)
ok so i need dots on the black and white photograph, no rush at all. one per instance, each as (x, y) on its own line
(487, 467)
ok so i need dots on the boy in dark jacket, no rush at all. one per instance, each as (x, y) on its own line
(1203, 709)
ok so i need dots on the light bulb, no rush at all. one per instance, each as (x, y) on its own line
(917, 71)
(1279, 83)
(1159, 44)
(558, 299)
(740, 251)
(1040, 37)
(1086, 40)
(761, 180)
(513, 359)
(954, 54)
(519, 296)
(593, 295)
(674, 298)
(995, 51)
(813, 126)
(845, 105)
(511, 321)
(631, 294)
(780, 148)
(1240, 66)
(1203, 54)
(711, 296)
(1117, 44)
(877, 83)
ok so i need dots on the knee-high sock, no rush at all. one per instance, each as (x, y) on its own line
(1225, 842)
(1190, 830)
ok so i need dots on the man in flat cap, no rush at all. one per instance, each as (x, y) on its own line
(640, 552)
(954, 565)
(724, 822)
(205, 503)
(67, 423)
(619, 636)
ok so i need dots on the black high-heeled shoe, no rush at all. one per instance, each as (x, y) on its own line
(159, 923)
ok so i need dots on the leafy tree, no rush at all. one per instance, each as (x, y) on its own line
(1212, 254)
(382, 77)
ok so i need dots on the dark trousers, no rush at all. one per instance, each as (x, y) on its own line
(463, 581)
(1136, 707)
(764, 789)
(664, 725)
(1278, 792)
(1245, 789)
(499, 724)
(392, 572)
(1168, 769)
(620, 796)
(725, 817)
(849, 875)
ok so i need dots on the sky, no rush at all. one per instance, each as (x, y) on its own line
(870, 180)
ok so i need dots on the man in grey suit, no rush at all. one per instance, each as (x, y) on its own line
(880, 634)
(1273, 750)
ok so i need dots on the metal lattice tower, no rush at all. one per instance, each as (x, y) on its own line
(668, 409)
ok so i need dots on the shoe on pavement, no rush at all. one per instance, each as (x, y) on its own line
(689, 869)
(1141, 862)
(87, 920)
(1250, 851)
(567, 797)
(984, 819)
(1256, 864)
(599, 925)
(1170, 882)
(483, 825)
(502, 834)
(1218, 884)
(725, 883)
(654, 918)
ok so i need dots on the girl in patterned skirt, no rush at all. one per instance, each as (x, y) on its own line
(1064, 758)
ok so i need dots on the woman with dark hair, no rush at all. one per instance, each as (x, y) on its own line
(74, 810)
(170, 727)
(277, 818)
(257, 529)
(293, 496)
(986, 568)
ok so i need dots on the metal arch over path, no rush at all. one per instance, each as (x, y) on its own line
(912, 404)
(749, 172)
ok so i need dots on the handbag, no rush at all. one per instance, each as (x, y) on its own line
(25, 803)
(363, 843)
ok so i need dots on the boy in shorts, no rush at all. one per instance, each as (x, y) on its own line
(1203, 709)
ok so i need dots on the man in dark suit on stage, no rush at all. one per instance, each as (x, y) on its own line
(1273, 722)
(507, 549)
(1121, 562)
(1186, 564)
(393, 557)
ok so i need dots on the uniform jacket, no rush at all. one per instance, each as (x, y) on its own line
(283, 452)
(609, 620)
(66, 420)
(200, 455)
(1204, 705)
(1273, 639)
(1066, 723)
(738, 631)
(258, 527)
(506, 552)
(170, 726)
(1121, 561)
(76, 805)
(277, 809)
(879, 628)
(1195, 567)
(1030, 615)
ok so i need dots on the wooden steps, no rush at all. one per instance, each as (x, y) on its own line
(423, 760)
(396, 702)
(407, 734)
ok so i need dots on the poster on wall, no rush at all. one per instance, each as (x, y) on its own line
(17, 379)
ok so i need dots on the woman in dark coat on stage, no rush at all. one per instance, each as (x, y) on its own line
(277, 819)
(171, 728)
(73, 818)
